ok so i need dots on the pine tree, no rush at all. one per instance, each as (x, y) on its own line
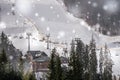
(93, 61)
(71, 72)
(101, 59)
(76, 60)
(52, 73)
(4, 39)
(3, 62)
(79, 60)
(58, 68)
(3, 57)
(86, 63)
(107, 65)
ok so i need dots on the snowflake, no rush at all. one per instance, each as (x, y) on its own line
(98, 14)
(48, 28)
(89, 2)
(8, 13)
(12, 9)
(36, 14)
(94, 4)
(61, 33)
(17, 21)
(73, 31)
(51, 7)
(42, 19)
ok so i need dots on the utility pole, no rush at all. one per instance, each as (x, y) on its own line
(28, 34)
(48, 37)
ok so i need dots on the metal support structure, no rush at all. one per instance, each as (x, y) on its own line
(48, 37)
(28, 34)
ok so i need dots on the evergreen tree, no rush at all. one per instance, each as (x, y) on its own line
(71, 72)
(4, 39)
(3, 62)
(58, 69)
(3, 57)
(52, 73)
(93, 61)
(86, 63)
(101, 59)
(79, 72)
(76, 61)
(107, 65)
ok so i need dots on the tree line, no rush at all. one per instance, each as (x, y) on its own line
(86, 62)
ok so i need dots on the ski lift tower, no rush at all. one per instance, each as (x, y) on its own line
(28, 34)
(48, 37)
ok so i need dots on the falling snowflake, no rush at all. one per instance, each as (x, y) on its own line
(12, 9)
(89, 2)
(42, 19)
(8, 13)
(48, 28)
(73, 31)
(94, 4)
(61, 34)
(17, 21)
(36, 14)
(51, 7)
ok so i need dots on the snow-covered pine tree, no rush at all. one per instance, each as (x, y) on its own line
(107, 65)
(52, 73)
(101, 59)
(80, 49)
(86, 63)
(58, 68)
(72, 62)
(93, 60)
(4, 39)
